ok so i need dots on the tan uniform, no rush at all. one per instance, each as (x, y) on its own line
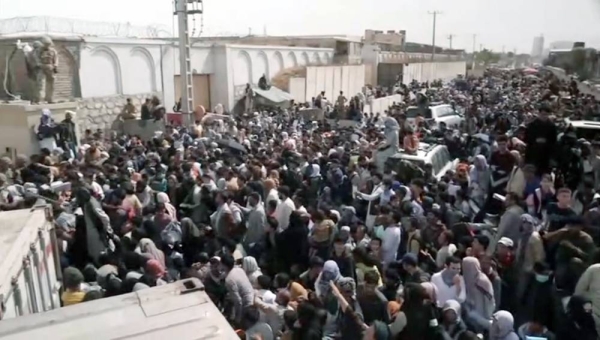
(48, 63)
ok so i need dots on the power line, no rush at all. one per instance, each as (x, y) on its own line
(435, 14)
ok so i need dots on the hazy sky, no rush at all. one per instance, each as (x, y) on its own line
(508, 23)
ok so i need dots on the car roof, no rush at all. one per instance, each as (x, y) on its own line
(430, 106)
(423, 153)
(584, 124)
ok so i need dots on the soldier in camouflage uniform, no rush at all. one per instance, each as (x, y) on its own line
(48, 62)
(32, 63)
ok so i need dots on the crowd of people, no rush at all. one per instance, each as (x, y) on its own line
(297, 234)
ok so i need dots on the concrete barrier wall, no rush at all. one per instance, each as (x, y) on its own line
(333, 79)
(18, 122)
(423, 72)
(297, 88)
(380, 105)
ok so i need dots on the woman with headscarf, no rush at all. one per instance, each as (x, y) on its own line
(452, 323)
(163, 198)
(150, 251)
(431, 291)
(480, 176)
(579, 323)
(154, 275)
(502, 326)
(250, 266)
(480, 304)
(330, 272)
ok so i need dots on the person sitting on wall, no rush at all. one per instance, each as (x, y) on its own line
(129, 111)
(263, 84)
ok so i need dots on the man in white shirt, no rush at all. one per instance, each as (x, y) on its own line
(391, 240)
(378, 190)
(449, 283)
(284, 209)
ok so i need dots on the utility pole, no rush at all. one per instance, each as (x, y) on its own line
(474, 42)
(183, 8)
(450, 37)
(435, 14)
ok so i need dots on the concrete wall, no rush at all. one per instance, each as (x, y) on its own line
(380, 105)
(333, 79)
(297, 89)
(101, 112)
(231, 67)
(246, 64)
(431, 71)
(17, 124)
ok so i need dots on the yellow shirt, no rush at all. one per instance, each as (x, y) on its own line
(70, 298)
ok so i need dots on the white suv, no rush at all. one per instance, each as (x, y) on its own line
(436, 155)
(435, 115)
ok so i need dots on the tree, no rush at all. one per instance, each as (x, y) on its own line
(487, 57)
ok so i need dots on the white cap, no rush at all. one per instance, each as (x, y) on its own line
(505, 241)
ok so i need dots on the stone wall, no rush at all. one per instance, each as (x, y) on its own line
(101, 113)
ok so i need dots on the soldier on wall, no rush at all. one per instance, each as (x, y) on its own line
(48, 67)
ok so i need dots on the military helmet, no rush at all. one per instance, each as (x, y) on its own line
(37, 44)
(46, 41)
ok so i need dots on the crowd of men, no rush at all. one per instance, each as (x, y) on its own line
(297, 234)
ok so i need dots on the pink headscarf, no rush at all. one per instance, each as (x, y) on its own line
(164, 198)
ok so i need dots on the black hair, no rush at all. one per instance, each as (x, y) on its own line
(92, 295)
(483, 240)
(282, 280)
(372, 277)
(284, 190)
(250, 315)
(452, 259)
(264, 282)
(227, 261)
(316, 262)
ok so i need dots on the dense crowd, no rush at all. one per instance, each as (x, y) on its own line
(297, 234)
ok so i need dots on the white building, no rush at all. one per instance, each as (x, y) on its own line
(101, 72)
(126, 67)
(538, 47)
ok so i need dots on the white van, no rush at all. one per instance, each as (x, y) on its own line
(181, 310)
